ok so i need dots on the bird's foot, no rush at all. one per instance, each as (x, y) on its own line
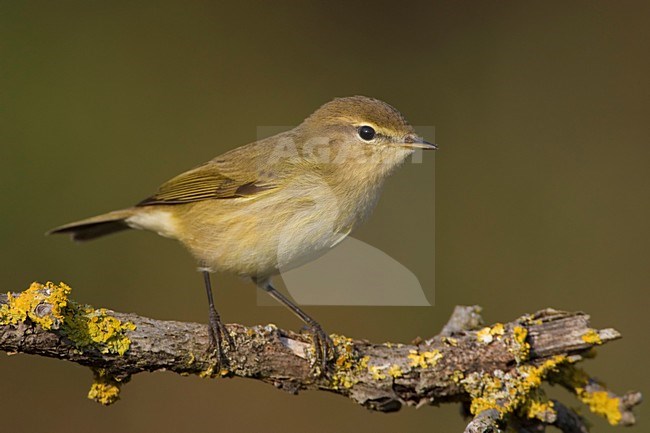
(323, 349)
(218, 336)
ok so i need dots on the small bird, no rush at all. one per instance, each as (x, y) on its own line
(276, 203)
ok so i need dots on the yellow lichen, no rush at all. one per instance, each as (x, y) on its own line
(105, 388)
(506, 392)
(592, 393)
(381, 372)
(484, 335)
(520, 347)
(432, 357)
(88, 327)
(488, 334)
(538, 406)
(375, 372)
(485, 392)
(416, 359)
(48, 306)
(424, 359)
(532, 375)
(42, 304)
(450, 341)
(498, 329)
(592, 337)
(104, 393)
(603, 404)
(395, 371)
(349, 364)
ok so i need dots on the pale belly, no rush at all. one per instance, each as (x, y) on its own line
(261, 237)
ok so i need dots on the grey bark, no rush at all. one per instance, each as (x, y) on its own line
(361, 370)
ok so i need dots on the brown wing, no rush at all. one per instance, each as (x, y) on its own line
(204, 183)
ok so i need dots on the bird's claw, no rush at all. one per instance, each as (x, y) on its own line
(323, 349)
(218, 335)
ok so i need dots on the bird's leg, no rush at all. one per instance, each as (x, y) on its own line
(216, 329)
(322, 343)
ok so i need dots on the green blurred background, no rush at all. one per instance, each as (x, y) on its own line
(541, 185)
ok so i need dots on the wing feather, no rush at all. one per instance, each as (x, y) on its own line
(207, 182)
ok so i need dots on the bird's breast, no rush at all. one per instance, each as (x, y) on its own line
(277, 231)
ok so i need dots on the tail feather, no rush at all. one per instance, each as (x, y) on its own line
(95, 227)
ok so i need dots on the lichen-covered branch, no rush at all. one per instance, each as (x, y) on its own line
(496, 371)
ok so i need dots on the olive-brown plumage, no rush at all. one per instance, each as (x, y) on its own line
(276, 203)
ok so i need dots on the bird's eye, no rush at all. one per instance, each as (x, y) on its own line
(366, 132)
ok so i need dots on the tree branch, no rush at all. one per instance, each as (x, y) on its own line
(495, 371)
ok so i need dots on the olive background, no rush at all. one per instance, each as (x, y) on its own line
(541, 111)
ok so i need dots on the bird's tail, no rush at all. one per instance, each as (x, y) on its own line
(97, 226)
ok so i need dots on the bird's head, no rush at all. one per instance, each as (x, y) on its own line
(365, 121)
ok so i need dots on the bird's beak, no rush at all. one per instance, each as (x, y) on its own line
(418, 143)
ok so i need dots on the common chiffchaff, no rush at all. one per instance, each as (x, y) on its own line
(276, 203)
